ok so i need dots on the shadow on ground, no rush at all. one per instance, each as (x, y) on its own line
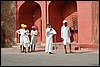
(39, 51)
(83, 52)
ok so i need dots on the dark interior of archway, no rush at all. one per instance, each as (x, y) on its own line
(58, 11)
(30, 14)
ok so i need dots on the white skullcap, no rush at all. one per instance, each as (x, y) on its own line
(64, 21)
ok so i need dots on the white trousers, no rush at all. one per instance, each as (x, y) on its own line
(49, 45)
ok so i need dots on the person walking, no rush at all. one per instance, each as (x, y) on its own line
(49, 39)
(34, 34)
(21, 33)
(65, 35)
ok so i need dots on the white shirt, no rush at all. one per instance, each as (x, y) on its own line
(34, 32)
(50, 33)
(65, 32)
(21, 31)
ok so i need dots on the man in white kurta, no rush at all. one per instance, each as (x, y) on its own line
(21, 32)
(34, 34)
(49, 39)
(65, 35)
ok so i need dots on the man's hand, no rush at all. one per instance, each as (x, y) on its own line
(50, 28)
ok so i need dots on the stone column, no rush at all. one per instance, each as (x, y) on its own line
(44, 21)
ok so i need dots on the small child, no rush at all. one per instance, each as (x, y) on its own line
(26, 39)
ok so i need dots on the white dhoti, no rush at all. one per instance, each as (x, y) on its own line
(21, 40)
(34, 36)
(33, 40)
(66, 41)
(26, 41)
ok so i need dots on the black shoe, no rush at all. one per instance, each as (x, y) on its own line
(66, 52)
(50, 53)
(25, 52)
(29, 51)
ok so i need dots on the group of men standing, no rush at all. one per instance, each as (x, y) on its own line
(24, 39)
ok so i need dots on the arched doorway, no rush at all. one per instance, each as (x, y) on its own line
(30, 14)
(60, 10)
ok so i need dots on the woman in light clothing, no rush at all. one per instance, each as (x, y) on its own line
(34, 33)
(65, 35)
(49, 39)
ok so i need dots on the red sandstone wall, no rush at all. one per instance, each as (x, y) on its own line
(84, 22)
(37, 21)
(56, 21)
(55, 16)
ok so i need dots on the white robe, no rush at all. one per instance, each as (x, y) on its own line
(65, 34)
(49, 39)
(21, 32)
(26, 38)
(33, 36)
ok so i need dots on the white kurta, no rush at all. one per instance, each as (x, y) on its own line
(21, 32)
(65, 34)
(26, 38)
(33, 36)
(49, 39)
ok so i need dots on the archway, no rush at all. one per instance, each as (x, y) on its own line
(60, 10)
(30, 14)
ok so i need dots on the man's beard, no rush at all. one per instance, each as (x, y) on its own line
(65, 25)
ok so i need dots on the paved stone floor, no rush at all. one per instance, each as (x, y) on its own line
(84, 57)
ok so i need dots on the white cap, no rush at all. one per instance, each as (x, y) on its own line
(64, 21)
